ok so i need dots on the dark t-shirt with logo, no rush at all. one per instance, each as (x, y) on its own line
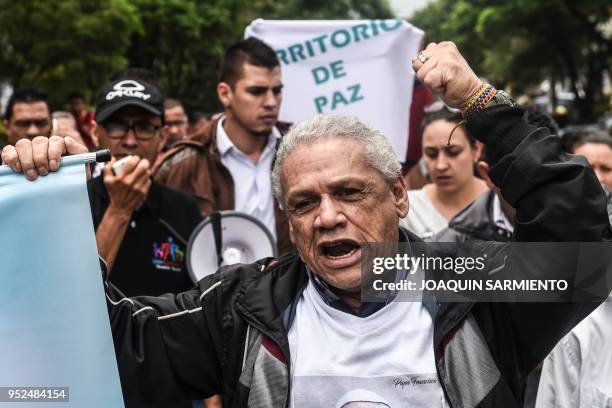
(151, 258)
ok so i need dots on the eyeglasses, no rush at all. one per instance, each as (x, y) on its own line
(24, 124)
(142, 131)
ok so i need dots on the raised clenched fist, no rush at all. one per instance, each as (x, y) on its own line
(444, 71)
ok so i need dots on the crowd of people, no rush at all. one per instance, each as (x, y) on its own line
(493, 172)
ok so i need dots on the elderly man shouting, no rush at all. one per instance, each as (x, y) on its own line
(294, 331)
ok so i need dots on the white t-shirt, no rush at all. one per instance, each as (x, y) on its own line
(423, 218)
(383, 360)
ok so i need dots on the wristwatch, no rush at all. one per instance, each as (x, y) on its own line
(501, 98)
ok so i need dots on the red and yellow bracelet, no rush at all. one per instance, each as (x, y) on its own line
(479, 100)
(472, 99)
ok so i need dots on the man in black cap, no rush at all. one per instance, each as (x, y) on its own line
(142, 227)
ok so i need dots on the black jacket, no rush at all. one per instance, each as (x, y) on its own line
(475, 222)
(229, 336)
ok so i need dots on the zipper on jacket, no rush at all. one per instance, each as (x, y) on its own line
(442, 382)
(272, 337)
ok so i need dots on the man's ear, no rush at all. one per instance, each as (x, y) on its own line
(95, 136)
(5, 123)
(400, 194)
(478, 150)
(224, 93)
(483, 170)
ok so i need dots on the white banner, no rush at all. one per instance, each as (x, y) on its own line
(55, 338)
(360, 68)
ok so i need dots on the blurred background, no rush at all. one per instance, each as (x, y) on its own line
(553, 54)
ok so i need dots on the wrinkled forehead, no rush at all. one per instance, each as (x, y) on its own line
(324, 162)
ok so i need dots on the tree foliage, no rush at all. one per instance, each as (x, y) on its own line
(182, 43)
(324, 9)
(62, 46)
(519, 43)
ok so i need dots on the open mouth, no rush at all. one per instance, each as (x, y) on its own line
(338, 249)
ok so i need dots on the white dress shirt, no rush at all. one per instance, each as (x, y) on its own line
(499, 217)
(252, 182)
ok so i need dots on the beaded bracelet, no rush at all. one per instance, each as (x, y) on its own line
(474, 97)
(484, 102)
(479, 100)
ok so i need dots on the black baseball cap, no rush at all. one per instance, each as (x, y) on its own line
(124, 92)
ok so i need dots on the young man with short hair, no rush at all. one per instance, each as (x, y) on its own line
(227, 165)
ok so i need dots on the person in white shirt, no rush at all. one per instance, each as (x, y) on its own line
(578, 372)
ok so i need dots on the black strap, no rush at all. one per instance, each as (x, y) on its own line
(215, 219)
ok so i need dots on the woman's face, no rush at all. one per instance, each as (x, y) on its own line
(450, 166)
(599, 157)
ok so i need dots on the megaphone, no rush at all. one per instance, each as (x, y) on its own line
(226, 238)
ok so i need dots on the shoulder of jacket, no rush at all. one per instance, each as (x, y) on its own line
(197, 142)
(236, 278)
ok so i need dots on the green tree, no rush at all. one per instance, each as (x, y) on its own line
(66, 45)
(324, 9)
(519, 43)
(182, 43)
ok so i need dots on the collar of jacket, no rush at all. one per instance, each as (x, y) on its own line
(476, 220)
(269, 292)
(206, 138)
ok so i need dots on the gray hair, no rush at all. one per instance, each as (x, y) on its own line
(378, 151)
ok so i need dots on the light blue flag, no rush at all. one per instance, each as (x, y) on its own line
(54, 326)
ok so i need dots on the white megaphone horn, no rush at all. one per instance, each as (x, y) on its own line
(226, 238)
